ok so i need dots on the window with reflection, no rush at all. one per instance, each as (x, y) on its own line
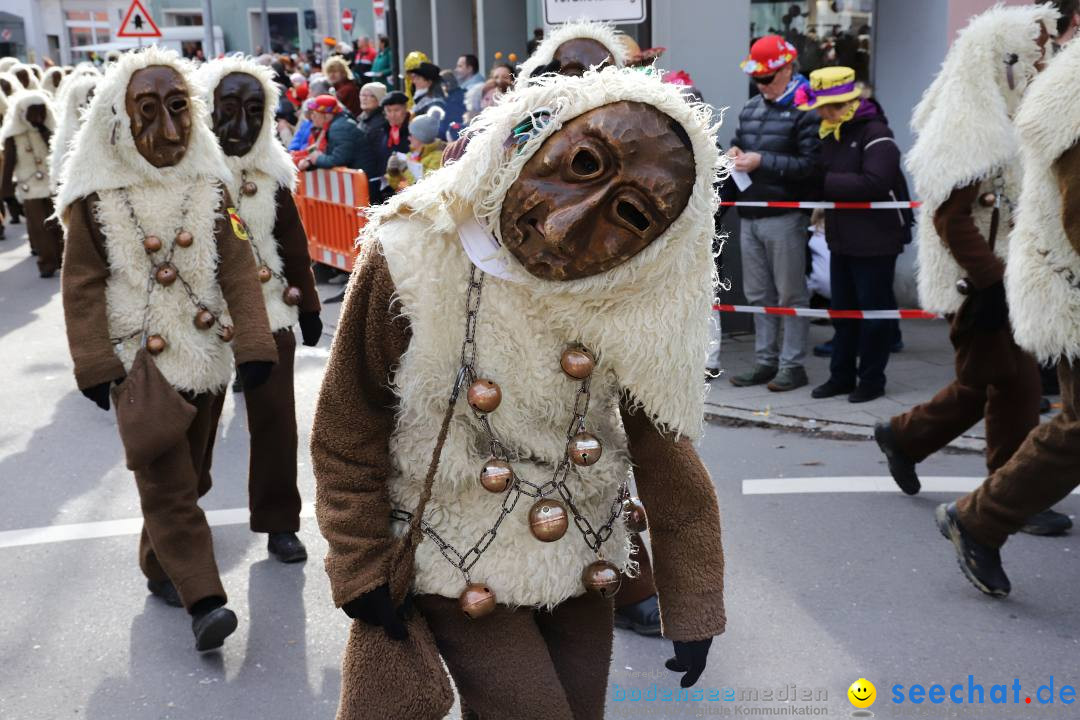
(825, 32)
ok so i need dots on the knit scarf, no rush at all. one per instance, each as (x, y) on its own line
(833, 127)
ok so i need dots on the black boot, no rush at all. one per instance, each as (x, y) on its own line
(1047, 522)
(165, 590)
(211, 622)
(901, 467)
(286, 547)
(980, 563)
(642, 617)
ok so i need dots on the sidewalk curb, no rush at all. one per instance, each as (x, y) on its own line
(724, 414)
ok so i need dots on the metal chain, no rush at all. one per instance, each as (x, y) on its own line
(594, 539)
(247, 229)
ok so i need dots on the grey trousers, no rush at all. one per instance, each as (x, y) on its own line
(774, 275)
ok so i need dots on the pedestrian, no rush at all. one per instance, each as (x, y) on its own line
(24, 178)
(536, 603)
(371, 118)
(241, 98)
(155, 265)
(861, 163)
(428, 92)
(382, 66)
(467, 72)
(78, 91)
(453, 106)
(345, 90)
(363, 58)
(574, 48)
(777, 153)
(425, 151)
(500, 83)
(965, 166)
(395, 136)
(1044, 260)
(341, 142)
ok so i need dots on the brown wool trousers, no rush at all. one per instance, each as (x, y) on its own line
(46, 236)
(1043, 471)
(176, 543)
(526, 664)
(271, 412)
(995, 380)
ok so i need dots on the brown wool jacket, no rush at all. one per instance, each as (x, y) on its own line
(350, 452)
(292, 244)
(7, 171)
(955, 224)
(86, 271)
(1067, 169)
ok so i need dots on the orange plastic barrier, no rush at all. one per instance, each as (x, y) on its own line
(331, 205)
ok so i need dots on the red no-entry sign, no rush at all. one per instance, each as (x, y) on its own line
(347, 20)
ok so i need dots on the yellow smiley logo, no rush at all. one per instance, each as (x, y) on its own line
(862, 693)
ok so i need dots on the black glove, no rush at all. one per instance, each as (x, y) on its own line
(255, 373)
(689, 658)
(989, 308)
(310, 328)
(99, 394)
(377, 609)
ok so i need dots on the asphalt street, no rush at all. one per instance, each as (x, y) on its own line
(823, 588)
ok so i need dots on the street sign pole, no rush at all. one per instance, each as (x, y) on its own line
(265, 23)
(209, 51)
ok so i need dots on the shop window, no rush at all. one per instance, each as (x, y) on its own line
(825, 32)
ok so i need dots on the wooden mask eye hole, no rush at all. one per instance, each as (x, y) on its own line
(585, 163)
(633, 215)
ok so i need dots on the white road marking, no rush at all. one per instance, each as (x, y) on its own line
(114, 528)
(857, 484)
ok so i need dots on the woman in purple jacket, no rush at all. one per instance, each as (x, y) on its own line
(861, 163)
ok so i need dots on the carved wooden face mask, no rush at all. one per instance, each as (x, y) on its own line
(578, 55)
(35, 115)
(598, 191)
(239, 103)
(160, 110)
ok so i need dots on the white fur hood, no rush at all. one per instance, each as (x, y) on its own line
(673, 278)
(15, 117)
(603, 33)
(267, 155)
(103, 155)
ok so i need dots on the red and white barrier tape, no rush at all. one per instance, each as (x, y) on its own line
(835, 314)
(794, 205)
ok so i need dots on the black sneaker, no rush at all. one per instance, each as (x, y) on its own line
(641, 617)
(830, 389)
(863, 394)
(165, 590)
(901, 467)
(286, 547)
(980, 564)
(212, 627)
(1047, 522)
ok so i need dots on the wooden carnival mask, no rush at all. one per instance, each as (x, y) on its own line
(598, 191)
(576, 56)
(239, 103)
(159, 107)
(35, 115)
(23, 76)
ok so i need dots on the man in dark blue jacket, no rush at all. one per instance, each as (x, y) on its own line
(776, 148)
(342, 143)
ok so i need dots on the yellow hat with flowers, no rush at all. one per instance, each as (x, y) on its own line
(829, 85)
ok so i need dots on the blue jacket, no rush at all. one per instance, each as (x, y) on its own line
(302, 138)
(347, 145)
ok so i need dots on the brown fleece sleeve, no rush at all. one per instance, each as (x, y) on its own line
(240, 286)
(955, 224)
(1067, 169)
(684, 526)
(7, 175)
(82, 285)
(292, 244)
(350, 441)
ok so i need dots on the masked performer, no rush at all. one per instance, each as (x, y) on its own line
(526, 328)
(966, 170)
(71, 103)
(158, 280)
(242, 97)
(574, 48)
(28, 125)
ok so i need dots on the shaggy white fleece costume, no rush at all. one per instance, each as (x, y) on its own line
(31, 76)
(104, 159)
(647, 320)
(53, 81)
(1043, 274)
(7, 63)
(603, 33)
(965, 135)
(70, 105)
(269, 166)
(31, 152)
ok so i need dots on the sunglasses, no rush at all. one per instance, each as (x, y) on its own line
(765, 80)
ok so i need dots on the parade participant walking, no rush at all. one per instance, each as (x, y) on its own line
(158, 280)
(241, 97)
(778, 148)
(965, 168)
(589, 304)
(24, 179)
(1044, 260)
(78, 91)
(574, 48)
(861, 162)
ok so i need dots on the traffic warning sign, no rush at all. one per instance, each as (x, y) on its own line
(138, 23)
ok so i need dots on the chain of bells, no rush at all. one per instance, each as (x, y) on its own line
(165, 273)
(549, 518)
(39, 174)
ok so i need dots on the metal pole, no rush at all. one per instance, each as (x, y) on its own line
(209, 51)
(264, 22)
